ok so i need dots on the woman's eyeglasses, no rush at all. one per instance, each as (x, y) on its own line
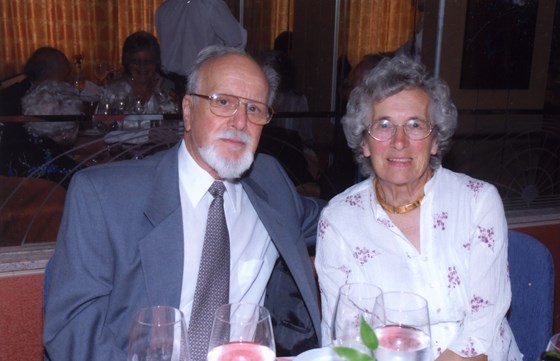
(385, 129)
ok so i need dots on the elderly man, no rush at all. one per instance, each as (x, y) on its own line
(134, 233)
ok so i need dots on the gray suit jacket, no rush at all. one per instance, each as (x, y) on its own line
(120, 248)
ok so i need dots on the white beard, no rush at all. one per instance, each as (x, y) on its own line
(227, 168)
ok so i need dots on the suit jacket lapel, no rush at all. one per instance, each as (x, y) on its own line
(294, 254)
(271, 218)
(162, 249)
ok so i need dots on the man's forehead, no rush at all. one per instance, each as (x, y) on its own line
(230, 62)
(232, 67)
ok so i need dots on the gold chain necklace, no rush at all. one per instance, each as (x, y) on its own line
(396, 209)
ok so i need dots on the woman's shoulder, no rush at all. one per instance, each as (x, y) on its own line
(459, 183)
(354, 195)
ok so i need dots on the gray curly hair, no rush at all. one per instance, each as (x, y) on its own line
(389, 77)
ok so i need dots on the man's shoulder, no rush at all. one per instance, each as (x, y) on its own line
(265, 166)
(135, 170)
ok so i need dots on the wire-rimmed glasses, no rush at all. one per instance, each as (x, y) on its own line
(225, 105)
(384, 129)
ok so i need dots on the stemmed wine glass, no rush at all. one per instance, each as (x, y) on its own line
(355, 300)
(405, 332)
(552, 351)
(100, 71)
(241, 331)
(158, 333)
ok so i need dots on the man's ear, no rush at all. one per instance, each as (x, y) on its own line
(187, 112)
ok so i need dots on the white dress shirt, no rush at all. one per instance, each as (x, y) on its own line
(252, 253)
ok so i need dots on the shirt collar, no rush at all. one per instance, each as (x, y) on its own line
(197, 181)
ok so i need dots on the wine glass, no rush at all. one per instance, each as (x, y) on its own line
(241, 331)
(100, 71)
(554, 343)
(120, 104)
(158, 333)
(405, 333)
(138, 106)
(355, 300)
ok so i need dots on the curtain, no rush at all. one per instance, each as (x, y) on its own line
(375, 26)
(264, 20)
(95, 29)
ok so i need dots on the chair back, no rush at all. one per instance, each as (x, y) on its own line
(531, 271)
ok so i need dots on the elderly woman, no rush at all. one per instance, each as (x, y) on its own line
(142, 89)
(413, 225)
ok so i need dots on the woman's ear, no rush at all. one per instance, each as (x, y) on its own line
(365, 148)
(435, 147)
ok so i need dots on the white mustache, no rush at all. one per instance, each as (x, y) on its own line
(232, 134)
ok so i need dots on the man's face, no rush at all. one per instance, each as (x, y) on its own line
(224, 146)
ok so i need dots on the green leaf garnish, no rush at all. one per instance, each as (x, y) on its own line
(550, 355)
(368, 335)
(369, 339)
(352, 354)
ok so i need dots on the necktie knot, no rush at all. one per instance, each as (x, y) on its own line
(217, 189)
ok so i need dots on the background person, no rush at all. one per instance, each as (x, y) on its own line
(132, 232)
(46, 64)
(186, 27)
(142, 89)
(37, 149)
(413, 225)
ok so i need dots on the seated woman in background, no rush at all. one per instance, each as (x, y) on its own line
(51, 91)
(37, 149)
(414, 225)
(142, 89)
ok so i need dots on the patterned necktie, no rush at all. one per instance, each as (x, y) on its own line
(212, 285)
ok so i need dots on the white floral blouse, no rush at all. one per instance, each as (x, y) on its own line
(461, 270)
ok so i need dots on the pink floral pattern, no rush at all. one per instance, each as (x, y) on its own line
(502, 330)
(478, 303)
(453, 277)
(363, 254)
(347, 272)
(354, 200)
(322, 227)
(438, 347)
(386, 222)
(475, 186)
(486, 235)
(439, 220)
(469, 351)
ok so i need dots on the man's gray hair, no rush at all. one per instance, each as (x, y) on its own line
(216, 51)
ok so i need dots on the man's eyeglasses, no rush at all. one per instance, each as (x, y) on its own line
(224, 105)
(385, 129)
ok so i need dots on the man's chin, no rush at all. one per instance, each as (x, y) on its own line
(228, 165)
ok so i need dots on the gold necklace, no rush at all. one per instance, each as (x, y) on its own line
(396, 209)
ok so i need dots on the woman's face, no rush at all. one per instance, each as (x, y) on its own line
(143, 66)
(400, 160)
